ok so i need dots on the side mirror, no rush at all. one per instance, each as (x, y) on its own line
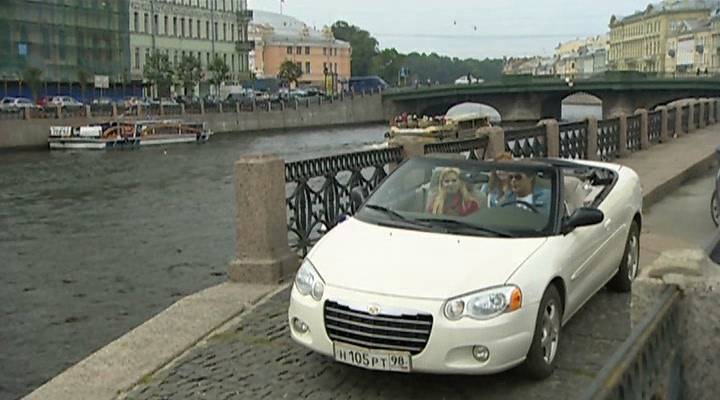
(582, 217)
(357, 197)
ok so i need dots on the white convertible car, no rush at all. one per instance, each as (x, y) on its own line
(466, 267)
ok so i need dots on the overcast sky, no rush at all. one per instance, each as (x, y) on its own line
(463, 28)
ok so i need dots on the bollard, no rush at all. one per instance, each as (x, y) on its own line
(664, 129)
(237, 107)
(296, 103)
(202, 107)
(269, 104)
(691, 117)
(262, 251)
(282, 105)
(162, 109)
(58, 109)
(220, 108)
(644, 131)
(553, 137)
(592, 142)
(678, 120)
(253, 105)
(182, 109)
(27, 113)
(622, 131)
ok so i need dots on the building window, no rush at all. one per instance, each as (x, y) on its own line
(325, 70)
(175, 31)
(336, 69)
(167, 27)
(137, 57)
(335, 51)
(224, 30)
(324, 51)
(207, 29)
(289, 49)
(307, 67)
(145, 23)
(233, 63)
(207, 57)
(156, 22)
(307, 50)
(182, 27)
(190, 26)
(198, 29)
(215, 32)
(299, 65)
(298, 50)
(136, 21)
(232, 32)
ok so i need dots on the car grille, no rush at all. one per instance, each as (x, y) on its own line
(407, 332)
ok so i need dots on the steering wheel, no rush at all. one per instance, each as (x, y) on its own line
(522, 203)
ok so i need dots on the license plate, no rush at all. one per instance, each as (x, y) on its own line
(382, 360)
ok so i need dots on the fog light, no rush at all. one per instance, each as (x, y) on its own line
(481, 353)
(299, 326)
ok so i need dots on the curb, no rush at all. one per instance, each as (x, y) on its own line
(660, 191)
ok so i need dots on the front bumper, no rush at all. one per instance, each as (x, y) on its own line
(449, 347)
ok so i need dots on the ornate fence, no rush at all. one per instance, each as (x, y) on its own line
(460, 146)
(672, 117)
(633, 132)
(654, 128)
(685, 118)
(527, 142)
(104, 110)
(608, 139)
(573, 140)
(647, 365)
(318, 190)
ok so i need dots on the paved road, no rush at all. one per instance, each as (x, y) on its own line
(258, 360)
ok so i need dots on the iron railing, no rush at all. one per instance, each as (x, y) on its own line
(16, 114)
(654, 126)
(634, 123)
(647, 365)
(685, 118)
(573, 140)
(318, 190)
(527, 142)
(608, 139)
(672, 117)
(460, 146)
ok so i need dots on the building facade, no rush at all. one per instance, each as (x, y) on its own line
(639, 42)
(66, 40)
(278, 38)
(204, 29)
(582, 56)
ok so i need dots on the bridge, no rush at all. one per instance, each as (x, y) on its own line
(530, 98)
(652, 344)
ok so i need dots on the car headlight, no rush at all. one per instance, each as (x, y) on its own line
(309, 282)
(485, 304)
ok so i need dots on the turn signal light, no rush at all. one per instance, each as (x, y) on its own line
(515, 300)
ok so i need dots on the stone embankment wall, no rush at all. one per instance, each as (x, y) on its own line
(358, 109)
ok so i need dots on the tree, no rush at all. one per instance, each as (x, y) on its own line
(32, 77)
(364, 46)
(82, 77)
(158, 71)
(290, 72)
(188, 73)
(219, 71)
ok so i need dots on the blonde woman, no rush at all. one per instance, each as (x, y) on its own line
(453, 197)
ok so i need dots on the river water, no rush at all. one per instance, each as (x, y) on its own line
(92, 244)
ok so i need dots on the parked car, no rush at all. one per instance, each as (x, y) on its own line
(16, 104)
(103, 101)
(43, 101)
(65, 102)
(453, 279)
(130, 102)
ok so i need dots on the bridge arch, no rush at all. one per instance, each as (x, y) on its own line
(484, 110)
(580, 105)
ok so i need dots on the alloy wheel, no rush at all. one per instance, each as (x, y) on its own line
(550, 331)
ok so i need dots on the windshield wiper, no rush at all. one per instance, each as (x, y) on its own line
(467, 225)
(398, 216)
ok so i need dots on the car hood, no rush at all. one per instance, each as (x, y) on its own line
(400, 262)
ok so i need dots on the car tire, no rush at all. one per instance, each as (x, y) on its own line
(714, 212)
(630, 264)
(541, 358)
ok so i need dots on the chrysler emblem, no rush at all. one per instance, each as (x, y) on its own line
(374, 309)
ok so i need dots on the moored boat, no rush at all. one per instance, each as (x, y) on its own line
(437, 128)
(120, 134)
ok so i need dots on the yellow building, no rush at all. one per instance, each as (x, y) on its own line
(277, 38)
(639, 42)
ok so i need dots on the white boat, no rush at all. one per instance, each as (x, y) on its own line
(438, 128)
(120, 134)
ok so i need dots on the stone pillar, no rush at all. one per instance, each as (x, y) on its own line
(711, 111)
(496, 141)
(282, 105)
(220, 108)
(140, 111)
(263, 254)
(202, 107)
(114, 110)
(664, 129)
(701, 123)
(622, 146)
(237, 107)
(644, 131)
(162, 109)
(320, 100)
(678, 120)
(592, 142)
(269, 104)
(553, 137)
(182, 109)
(296, 103)
(88, 111)
(58, 111)
(254, 105)
(691, 117)
(27, 113)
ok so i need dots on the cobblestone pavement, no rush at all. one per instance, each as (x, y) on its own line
(258, 360)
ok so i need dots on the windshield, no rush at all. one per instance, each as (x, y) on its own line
(509, 199)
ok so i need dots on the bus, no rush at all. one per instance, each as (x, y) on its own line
(366, 83)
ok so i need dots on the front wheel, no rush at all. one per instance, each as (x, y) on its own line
(714, 208)
(540, 360)
(626, 273)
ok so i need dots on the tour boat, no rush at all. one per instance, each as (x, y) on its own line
(438, 128)
(118, 134)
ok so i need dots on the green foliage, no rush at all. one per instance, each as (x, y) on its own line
(367, 59)
(158, 70)
(33, 78)
(219, 71)
(289, 71)
(188, 73)
(364, 46)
